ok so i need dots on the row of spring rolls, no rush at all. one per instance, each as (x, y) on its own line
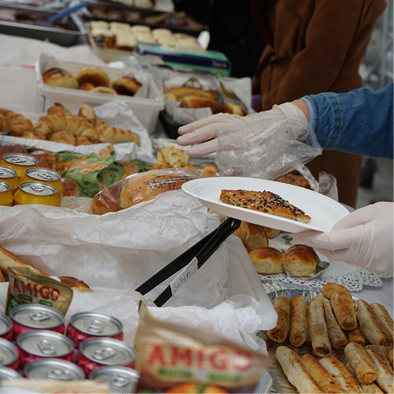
(329, 375)
(326, 318)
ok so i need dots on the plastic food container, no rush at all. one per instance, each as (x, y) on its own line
(146, 109)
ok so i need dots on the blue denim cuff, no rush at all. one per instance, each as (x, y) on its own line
(312, 112)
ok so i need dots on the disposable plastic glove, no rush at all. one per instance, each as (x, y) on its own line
(364, 237)
(207, 129)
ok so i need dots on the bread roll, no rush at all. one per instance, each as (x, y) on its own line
(298, 320)
(318, 332)
(266, 261)
(63, 137)
(209, 170)
(70, 188)
(337, 336)
(324, 379)
(270, 232)
(300, 261)
(45, 159)
(390, 357)
(342, 305)
(385, 378)
(362, 364)
(126, 85)
(253, 235)
(296, 372)
(59, 78)
(371, 388)
(369, 324)
(103, 89)
(201, 102)
(356, 336)
(343, 375)
(94, 75)
(85, 86)
(11, 148)
(282, 308)
(384, 318)
(141, 187)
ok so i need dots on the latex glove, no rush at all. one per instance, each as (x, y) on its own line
(207, 129)
(364, 237)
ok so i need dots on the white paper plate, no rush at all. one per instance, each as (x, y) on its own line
(324, 211)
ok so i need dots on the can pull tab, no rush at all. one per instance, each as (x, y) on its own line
(96, 326)
(40, 316)
(17, 160)
(59, 374)
(104, 353)
(36, 188)
(119, 381)
(46, 176)
(2, 172)
(46, 347)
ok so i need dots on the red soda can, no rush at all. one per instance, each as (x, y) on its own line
(41, 344)
(9, 374)
(6, 330)
(29, 317)
(99, 352)
(85, 325)
(9, 355)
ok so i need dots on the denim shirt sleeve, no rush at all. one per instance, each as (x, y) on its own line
(360, 121)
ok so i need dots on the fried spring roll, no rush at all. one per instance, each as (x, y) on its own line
(298, 320)
(384, 318)
(337, 336)
(295, 371)
(369, 324)
(390, 356)
(324, 379)
(318, 332)
(383, 350)
(385, 377)
(366, 388)
(362, 364)
(344, 377)
(282, 307)
(342, 305)
(356, 336)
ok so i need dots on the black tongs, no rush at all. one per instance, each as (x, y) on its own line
(191, 260)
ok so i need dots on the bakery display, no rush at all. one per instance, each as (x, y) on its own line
(63, 127)
(264, 202)
(300, 261)
(91, 79)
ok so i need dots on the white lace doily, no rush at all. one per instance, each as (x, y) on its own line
(354, 281)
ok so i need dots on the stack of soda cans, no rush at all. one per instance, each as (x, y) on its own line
(35, 344)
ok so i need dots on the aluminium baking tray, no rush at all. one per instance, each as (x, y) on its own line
(54, 35)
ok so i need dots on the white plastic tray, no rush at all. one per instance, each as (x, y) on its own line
(324, 211)
(146, 109)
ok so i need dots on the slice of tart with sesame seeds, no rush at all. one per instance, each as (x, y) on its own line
(265, 202)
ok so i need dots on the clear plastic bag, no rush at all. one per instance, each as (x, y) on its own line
(266, 148)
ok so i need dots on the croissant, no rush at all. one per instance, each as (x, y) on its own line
(4, 123)
(90, 134)
(88, 112)
(82, 141)
(116, 135)
(6, 112)
(50, 124)
(64, 137)
(77, 125)
(19, 125)
(58, 109)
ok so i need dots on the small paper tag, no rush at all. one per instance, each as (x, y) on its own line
(184, 276)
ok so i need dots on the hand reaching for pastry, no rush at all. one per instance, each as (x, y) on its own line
(364, 237)
(206, 130)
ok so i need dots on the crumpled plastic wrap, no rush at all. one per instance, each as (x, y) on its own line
(265, 149)
(116, 113)
(116, 252)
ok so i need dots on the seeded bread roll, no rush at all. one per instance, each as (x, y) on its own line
(266, 261)
(300, 261)
(141, 187)
(59, 78)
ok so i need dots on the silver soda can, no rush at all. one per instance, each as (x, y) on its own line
(9, 374)
(9, 355)
(85, 325)
(6, 330)
(42, 344)
(30, 317)
(119, 379)
(99, 352)
(53, 369)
